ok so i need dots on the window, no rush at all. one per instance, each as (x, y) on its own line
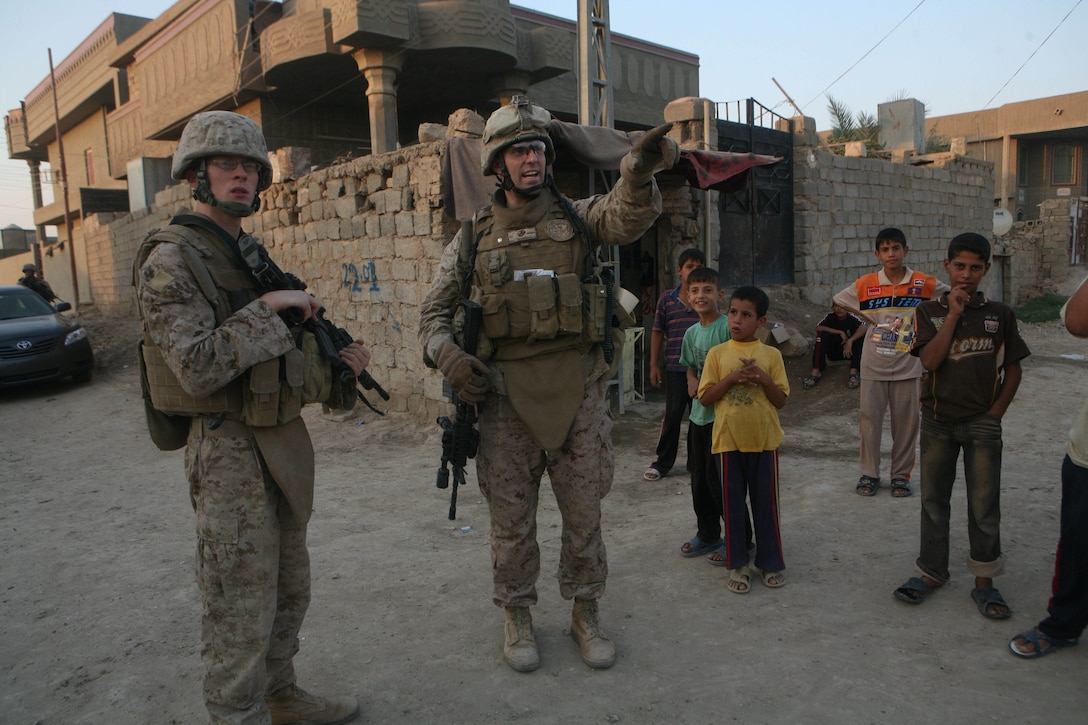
(1064, 165)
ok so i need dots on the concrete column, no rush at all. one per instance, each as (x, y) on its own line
(1006, 185)
(508, 85)
(380, 68)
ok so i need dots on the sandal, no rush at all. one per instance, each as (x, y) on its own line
(773, 579)
(913, 591)
(985, 598)
(1036, 639)
(810, 382)
(901, 488)
(867, 486)
(740, 580)
(717, 557)
(697, 547)
(854, 381)
(652, 474)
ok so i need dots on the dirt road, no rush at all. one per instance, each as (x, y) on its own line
(101, 613)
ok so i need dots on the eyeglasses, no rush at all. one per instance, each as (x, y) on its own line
(251, 167)
(523, 149)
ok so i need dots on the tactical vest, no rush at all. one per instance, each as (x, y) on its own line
(528, 277)
(269, 393)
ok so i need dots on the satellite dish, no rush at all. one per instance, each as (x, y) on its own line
(1002, 222)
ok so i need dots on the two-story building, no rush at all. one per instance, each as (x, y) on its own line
(344, 78)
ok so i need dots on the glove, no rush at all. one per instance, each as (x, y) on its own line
(652, 152)
(467, 376)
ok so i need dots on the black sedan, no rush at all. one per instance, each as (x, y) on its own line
(38, 343)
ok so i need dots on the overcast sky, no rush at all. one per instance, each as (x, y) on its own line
(954, 55)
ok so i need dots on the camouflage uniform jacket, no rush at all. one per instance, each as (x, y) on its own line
(181, 322)
(619, 217)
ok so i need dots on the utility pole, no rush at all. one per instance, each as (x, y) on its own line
(64, 185)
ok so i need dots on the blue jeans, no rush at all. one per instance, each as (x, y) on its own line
(980, 440)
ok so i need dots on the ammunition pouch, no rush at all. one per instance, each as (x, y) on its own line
(167, 395)
(317, 373)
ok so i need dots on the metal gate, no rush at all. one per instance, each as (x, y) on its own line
(1079, 211)
(756, 244)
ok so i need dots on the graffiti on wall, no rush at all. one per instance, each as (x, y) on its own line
(356, 276)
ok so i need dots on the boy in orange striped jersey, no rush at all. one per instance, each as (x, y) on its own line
(887, 299)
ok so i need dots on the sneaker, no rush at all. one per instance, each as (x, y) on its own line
(292, 705)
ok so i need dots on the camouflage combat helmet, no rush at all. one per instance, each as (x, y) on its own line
(521, 120)
(221, 133)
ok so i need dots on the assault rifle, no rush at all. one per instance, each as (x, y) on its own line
(460, 439)
(330, 338)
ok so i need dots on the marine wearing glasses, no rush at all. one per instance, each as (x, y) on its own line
(230, 164)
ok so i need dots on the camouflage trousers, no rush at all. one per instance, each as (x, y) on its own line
(510, 464)
(253, 570)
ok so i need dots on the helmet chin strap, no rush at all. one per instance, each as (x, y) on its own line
(506, 184)
(203, 194)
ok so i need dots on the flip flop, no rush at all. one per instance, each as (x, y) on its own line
(913, 591)
(652, 474)
(740, 580)
(698, 547)
(901, 488)
(854, 381)
(1035, 638)
(810, 382)
(985, 597)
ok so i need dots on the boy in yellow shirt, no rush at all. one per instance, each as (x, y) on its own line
(746, 383)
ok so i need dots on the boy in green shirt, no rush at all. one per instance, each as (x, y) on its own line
(704, 294)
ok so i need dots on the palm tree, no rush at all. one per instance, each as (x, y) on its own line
(846, 126)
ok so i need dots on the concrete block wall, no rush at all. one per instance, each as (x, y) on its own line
(678, 228)
(1041, 250)
(366, 236)
(1054, 251)
(840, 203)
(112, 241)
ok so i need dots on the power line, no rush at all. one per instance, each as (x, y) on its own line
(856, 62)
(1060, 23)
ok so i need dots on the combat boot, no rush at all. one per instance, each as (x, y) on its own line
(520, 650)
(292, 705)
(597, 649)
